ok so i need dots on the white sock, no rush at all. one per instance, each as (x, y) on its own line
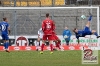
(37, 45)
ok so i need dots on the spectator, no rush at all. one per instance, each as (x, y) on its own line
(67, 35)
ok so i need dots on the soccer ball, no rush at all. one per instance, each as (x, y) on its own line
(65, 36)
(83, 17)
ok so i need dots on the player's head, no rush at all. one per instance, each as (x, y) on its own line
(47, 15)
(66, 28)
(75, 30)
(5, 19)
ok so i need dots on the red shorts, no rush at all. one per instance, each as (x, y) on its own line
(55, 37)
(47, 37)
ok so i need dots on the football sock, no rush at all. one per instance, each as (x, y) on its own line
(6, 45)
(37, 45)
(58, 45)
(42, 46)
(51, 47)
(90, 18)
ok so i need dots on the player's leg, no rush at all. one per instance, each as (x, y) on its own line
(43, 43)
(54, 43)
(50, 39)
(87, 27)
(57, 41)
(51, 46)
(3, 38)
(6, 41)
(89, 20)
(42, 46)
(67, 41)
(95, 33)
(37, 44)
(7, 45)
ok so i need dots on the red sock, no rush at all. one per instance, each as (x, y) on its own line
(58, 44)
(42, 46)
(51, 47)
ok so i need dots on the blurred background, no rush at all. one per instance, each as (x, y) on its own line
(39, 3)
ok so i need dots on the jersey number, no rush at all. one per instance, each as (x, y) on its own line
(3, 27)
(48, 25)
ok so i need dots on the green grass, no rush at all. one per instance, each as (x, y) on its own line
(34, 58)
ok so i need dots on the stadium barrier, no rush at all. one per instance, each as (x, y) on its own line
(28, 43)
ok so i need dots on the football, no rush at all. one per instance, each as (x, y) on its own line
(83, 17)
(65, 36)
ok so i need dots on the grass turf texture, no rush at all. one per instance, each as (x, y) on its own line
(34, 58)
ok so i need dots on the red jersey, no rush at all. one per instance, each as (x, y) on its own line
(48, 26)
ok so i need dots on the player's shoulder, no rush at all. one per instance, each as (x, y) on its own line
(51, 20)
(1, 22)
(40, 29)
(5, 22)
(79, 30)
(44, 20)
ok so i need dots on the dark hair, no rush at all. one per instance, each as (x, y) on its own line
(47, 15)
(4, 19)
(74, 29)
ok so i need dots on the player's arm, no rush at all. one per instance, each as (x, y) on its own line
(43, 26)
(70, 33)
(89, 20)
(0, 27)
(63, 33)
(9, 31)
(54, 26)
(38, 33)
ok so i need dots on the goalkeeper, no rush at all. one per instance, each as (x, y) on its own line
(86, 30)
(67, 35)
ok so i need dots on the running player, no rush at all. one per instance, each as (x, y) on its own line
(5, 31)
(48, 27)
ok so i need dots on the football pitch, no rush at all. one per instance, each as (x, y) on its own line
(34, 58)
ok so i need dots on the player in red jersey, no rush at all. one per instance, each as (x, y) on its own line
(48, 27)
(56, 40)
